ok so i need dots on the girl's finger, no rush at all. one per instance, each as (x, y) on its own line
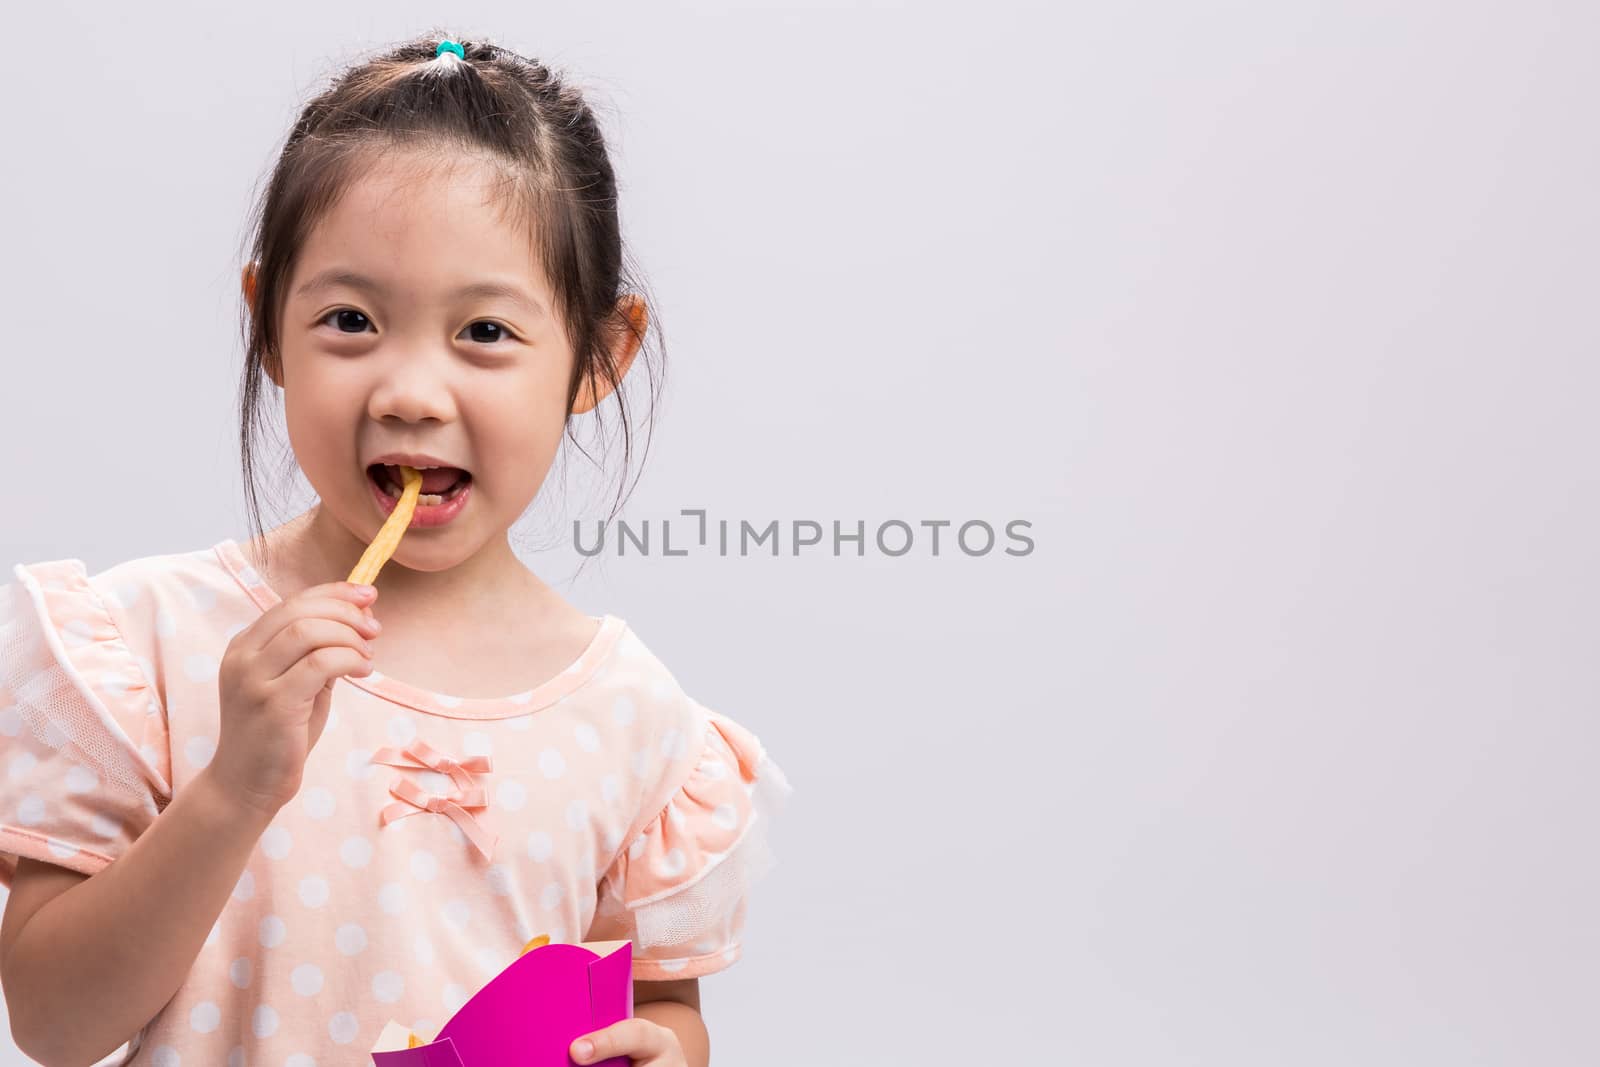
(319, 668)
(306, 632)
(334, 600)
(640, 1039)
(303, 636)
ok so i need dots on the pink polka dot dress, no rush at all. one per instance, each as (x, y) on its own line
(433, 836)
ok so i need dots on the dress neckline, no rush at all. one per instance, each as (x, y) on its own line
(575, 674)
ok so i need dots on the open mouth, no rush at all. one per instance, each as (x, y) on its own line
(439, 484)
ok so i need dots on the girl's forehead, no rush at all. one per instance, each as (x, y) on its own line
(403, 194)
(421, 219)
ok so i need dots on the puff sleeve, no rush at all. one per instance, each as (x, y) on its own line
(84, 757)
(678, 889)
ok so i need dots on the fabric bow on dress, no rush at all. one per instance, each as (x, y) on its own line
(413, 799)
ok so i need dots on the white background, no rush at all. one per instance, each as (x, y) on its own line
(1275, 320)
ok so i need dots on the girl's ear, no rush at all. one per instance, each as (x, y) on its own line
(272, 368)
(269, 362)
(624, 346)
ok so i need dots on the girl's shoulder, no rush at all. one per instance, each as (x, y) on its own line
(647, 698)
(126, 608)
(110, 642)
(693, 758)
(156, 590)
(84, 662)
(143, 615)
(677, 880)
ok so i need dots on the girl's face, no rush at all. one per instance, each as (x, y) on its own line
(417, 321)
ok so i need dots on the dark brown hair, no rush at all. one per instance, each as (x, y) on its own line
(492, 104)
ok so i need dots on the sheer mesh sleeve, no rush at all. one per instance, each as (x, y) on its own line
(679, 889)
(83, 740)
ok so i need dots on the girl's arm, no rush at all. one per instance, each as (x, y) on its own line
(685, 1021)
(86, 965)
(676, 1005)
(666, 1029)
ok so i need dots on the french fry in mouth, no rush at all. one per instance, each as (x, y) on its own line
(394, 527)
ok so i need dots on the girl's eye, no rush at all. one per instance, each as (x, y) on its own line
(348, 320)
(488, 332)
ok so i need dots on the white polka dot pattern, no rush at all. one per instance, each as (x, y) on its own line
(607, 781)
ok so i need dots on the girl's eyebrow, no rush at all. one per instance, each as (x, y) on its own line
(503, 290)
(336, 276)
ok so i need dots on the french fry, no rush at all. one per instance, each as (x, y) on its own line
(394, 527)
(538, 942)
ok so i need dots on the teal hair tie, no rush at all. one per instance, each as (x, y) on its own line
(449, 46)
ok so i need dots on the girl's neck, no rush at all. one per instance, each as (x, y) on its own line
(483, 628)
(314, 548)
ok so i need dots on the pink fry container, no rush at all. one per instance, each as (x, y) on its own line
(529, 1014)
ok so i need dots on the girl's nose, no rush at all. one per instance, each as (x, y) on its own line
(412, 394)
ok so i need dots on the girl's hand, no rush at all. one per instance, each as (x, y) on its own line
(275, 683)
(647, 1044)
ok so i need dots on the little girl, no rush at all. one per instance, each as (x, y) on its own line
(251, 812)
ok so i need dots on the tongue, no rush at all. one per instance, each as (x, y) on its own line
(436, 480)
